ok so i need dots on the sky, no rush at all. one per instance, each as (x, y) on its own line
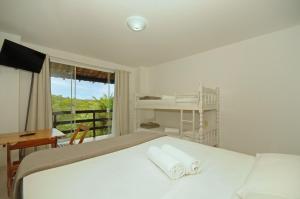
(84, 89)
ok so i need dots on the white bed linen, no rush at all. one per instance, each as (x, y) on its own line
(129, 174)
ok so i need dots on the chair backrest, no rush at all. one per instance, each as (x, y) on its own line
(82, 131)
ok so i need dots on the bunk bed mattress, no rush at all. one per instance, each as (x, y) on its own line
(156, 102)
(162, 104)
(169, 100)
(128, 173)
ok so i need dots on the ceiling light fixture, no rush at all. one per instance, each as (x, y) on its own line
(136, 23)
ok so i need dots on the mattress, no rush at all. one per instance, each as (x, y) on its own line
(130, 174)
(179, 101)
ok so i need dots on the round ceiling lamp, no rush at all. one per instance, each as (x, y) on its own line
(136, 23)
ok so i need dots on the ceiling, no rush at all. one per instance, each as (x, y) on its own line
(177, 28)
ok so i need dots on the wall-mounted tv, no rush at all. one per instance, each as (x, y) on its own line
(21, 57)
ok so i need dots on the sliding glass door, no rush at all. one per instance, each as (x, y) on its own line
(81, 95)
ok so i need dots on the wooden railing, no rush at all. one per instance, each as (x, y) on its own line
(92, 120)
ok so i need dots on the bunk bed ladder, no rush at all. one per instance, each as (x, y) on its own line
(201, 115)
(182, 121)
(218, 118)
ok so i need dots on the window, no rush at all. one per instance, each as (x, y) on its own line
(81, 95)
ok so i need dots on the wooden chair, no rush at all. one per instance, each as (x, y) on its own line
(82, 131)
(12, 166)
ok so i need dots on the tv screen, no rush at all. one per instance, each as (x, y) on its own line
(21, 57)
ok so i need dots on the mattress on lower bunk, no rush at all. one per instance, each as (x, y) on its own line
(128, 173)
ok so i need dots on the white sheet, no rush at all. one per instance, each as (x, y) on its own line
(129, 174)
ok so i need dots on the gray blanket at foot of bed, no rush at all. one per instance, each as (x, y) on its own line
(51, 158)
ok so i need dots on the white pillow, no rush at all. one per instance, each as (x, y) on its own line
(273, 176)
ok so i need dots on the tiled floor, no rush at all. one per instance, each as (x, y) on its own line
(3, 191)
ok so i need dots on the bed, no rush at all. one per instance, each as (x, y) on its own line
(125, 172)
(128, 173)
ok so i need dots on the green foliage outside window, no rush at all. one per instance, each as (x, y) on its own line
(60, 103)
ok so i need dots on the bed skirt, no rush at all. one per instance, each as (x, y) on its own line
(47, 159)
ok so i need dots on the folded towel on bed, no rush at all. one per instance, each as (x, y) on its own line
(150, 98)
(172, 167)
(149, 125)
(192, 166)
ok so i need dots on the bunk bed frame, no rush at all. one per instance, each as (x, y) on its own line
(205, 99)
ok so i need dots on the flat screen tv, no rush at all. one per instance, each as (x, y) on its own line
(21, 57)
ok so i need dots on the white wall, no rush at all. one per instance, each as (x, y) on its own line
(142, 80)
(260, 89)
(9, 96)
(9, 92)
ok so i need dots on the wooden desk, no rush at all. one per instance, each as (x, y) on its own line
(16, 141)
(12, 138)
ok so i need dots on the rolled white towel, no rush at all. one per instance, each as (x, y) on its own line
(172, 167)
(192, 166)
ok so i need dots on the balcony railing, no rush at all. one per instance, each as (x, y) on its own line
(104, 116)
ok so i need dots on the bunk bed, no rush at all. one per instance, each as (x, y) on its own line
(196, 104)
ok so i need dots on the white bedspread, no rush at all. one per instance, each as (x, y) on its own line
(128, 174)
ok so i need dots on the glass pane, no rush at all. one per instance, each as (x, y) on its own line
(94, 96)
(62, 93)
